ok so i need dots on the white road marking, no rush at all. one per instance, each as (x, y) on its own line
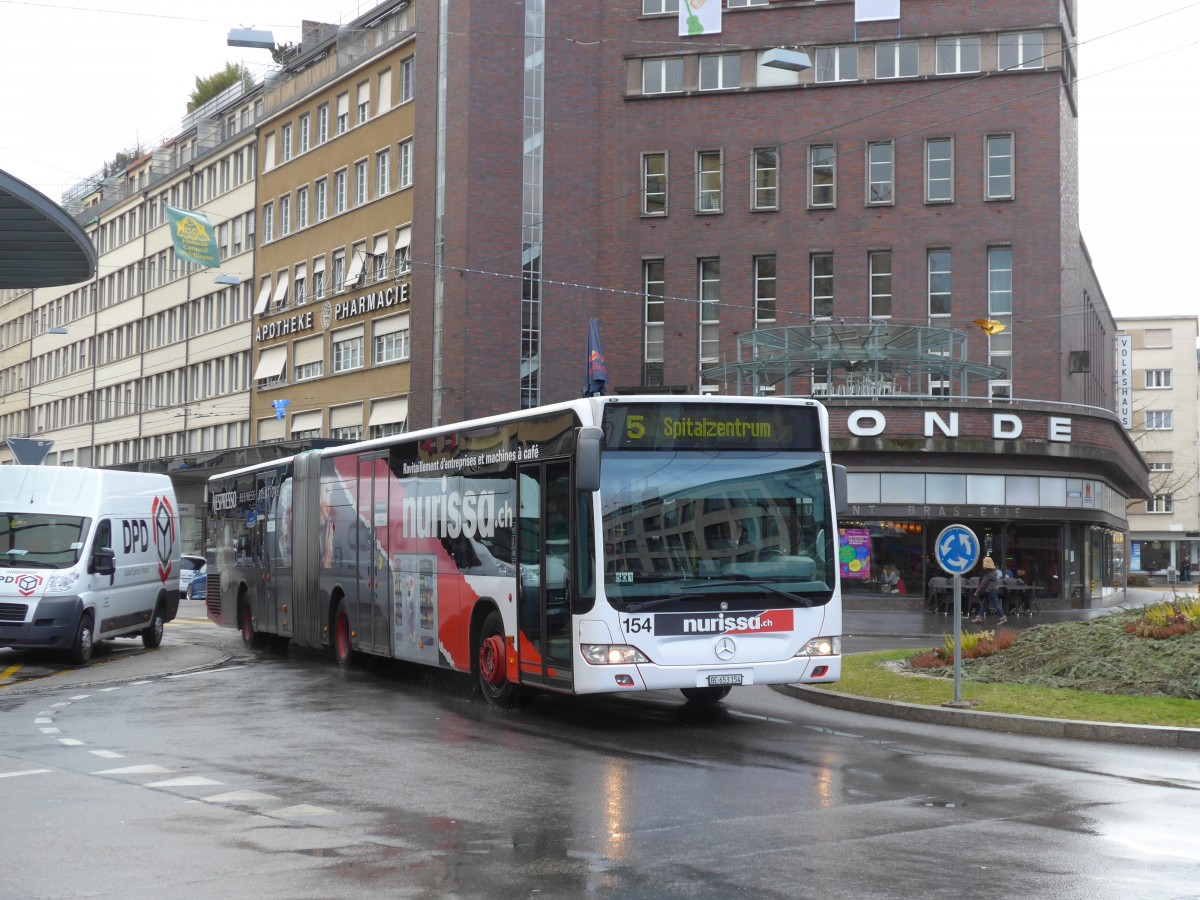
(50, 730)
(58, 705)
(303, 809)
(25, 772)
(106, 754)
(81, 697)
(71, 742)
(42, 720)
(135, 770)
(189, 781)
(206, 672)
(106, 690)
(240, 797)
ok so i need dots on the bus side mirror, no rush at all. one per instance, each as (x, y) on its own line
(587, 458)
(104, 562)
(840, 488)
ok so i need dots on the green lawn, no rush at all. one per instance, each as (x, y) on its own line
(1088, 671)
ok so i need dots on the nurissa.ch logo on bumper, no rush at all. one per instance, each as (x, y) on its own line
(741, 622)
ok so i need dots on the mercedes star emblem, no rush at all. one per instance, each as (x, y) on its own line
(726, 648)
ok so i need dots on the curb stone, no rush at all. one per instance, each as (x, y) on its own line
(1140, 735)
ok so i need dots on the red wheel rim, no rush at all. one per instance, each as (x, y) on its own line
(247, 628)
(343, 637)
(491, 660)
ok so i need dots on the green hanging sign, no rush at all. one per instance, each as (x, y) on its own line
(193, 237)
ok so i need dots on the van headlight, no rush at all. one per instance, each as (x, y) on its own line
(612, 654)
(62, 582)
(822, 646)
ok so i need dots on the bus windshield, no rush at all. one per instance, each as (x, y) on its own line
(32, 541)
(732, 525)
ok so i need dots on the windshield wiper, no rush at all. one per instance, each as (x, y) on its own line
(733, 582)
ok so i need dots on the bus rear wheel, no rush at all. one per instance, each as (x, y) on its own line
(491, 666)
(343, 645)
(706, 695)
(251, 636)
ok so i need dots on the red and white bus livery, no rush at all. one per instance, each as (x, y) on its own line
(607, 544)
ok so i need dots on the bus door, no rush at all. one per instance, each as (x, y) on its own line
(543, 548)
(279, 563)
(374, 583)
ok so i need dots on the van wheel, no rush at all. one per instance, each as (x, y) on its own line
(491, 668)
(343, 645)
(81, 650)
(706, 695)
(153, 634)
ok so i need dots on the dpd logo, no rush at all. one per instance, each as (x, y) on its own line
(27, 585)
(164, 535)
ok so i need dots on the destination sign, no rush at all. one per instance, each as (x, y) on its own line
(710, 426)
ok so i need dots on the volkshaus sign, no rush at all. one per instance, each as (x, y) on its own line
(1125, 379)
(193, 237)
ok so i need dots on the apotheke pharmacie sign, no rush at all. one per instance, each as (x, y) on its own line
(369, 304)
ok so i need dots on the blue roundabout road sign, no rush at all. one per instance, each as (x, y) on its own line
(956, 549)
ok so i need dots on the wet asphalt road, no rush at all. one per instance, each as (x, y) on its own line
(274, 776)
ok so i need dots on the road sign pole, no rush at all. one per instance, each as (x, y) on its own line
(957, 638)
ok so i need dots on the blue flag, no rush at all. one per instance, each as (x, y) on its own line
(597, 371)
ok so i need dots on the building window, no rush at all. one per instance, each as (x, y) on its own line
(305, 128)
(1161, 503)
(1160, 420)
(939, 170)
(766, 178)
(822, 174)
(285, 138)
(302, 208)
(318, 278)
(720, 71)
(710, 311)
(999, 281)
(322, 123)
(361, 189)
(346, 433)
(655, 7)
(896, 59)
(655, 288)
(1161, 460)
(1157, 339)
(348, 351)
(879, 265)
(1020, 51)
(662, 76)
(268, 219)
(939, 282)
(404, 165)
(956, 55)
(338, 275)
(765, 287)
(880, 172)
(999, 166)
(339, 191)
(837, 63)
(822, 284)
(343, 113)
(406, 80)
(393, 345)
(654, 184)
(1158, 379)
(733, 4)
(363, 98)
(708, 181)
(383, 172)
(285, 215)
(322, 188)
(307, 371)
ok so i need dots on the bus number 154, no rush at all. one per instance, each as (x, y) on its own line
(643, 625)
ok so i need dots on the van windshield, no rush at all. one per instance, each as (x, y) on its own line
(33, 541)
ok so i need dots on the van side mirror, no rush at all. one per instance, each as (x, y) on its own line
(104, 562)
(840, 488)
(587, 458)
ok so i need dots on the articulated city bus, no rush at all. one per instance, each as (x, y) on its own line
(607, 544)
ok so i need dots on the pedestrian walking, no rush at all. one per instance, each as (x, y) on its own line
(986, 591)
(1186, 570)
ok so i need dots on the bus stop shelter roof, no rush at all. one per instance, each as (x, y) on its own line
(40, 245)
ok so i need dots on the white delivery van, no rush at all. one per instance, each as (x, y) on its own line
(86, 554)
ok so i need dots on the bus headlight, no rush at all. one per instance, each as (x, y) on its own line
(822, 646)
(61, 583)
(612, 654)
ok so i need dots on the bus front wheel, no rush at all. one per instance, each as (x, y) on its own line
(343, 645)
(706, 695)
(251, 636)
(491, 664)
